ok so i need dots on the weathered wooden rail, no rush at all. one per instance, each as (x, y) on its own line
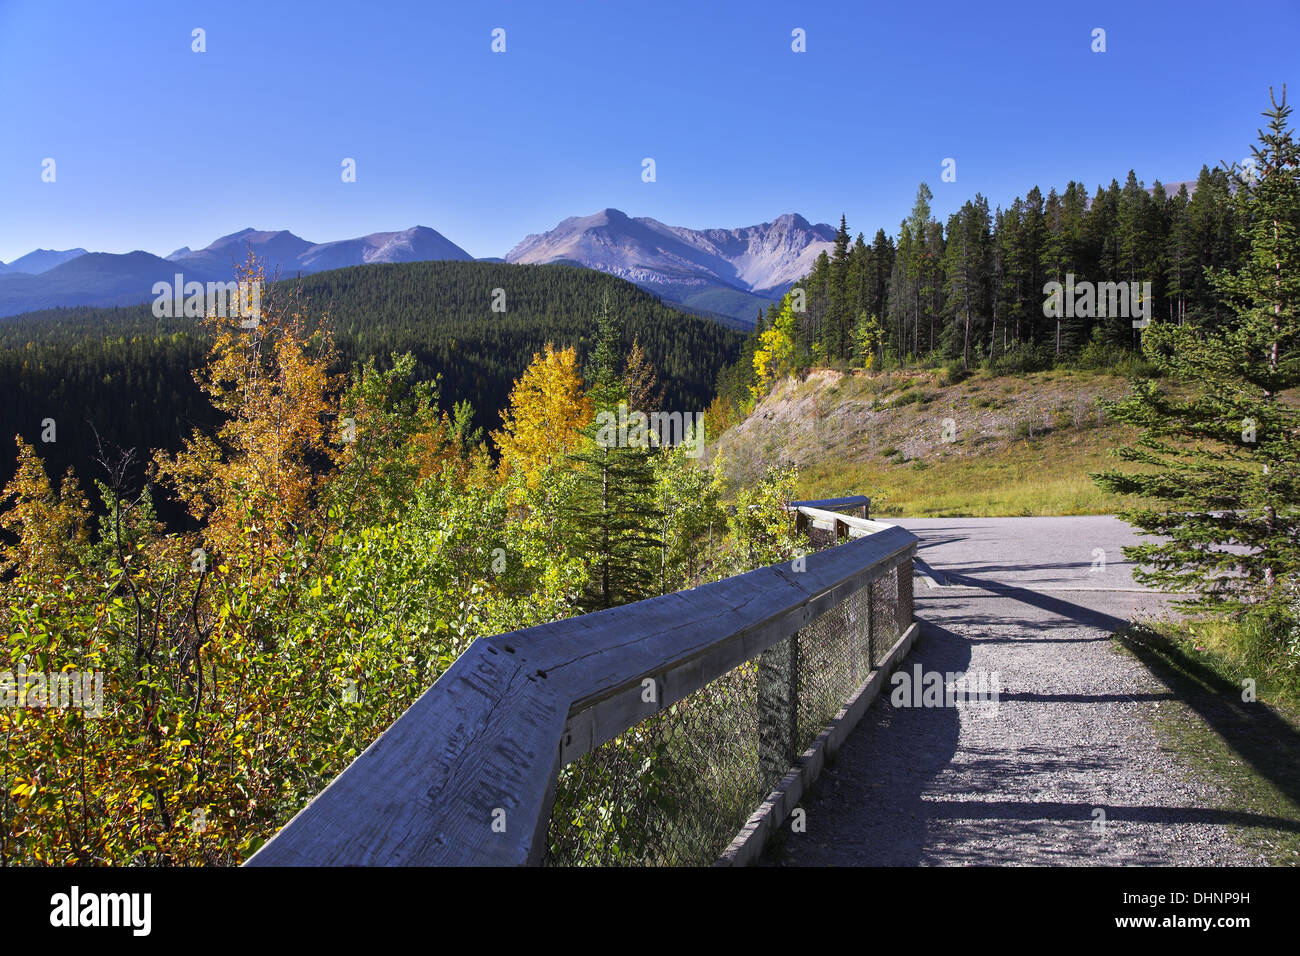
(468, 775)
(860, 504)
(821, 516)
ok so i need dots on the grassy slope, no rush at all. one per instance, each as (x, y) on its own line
(1023, 445)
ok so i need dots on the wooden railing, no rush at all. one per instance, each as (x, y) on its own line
(467, 775)
(823, 516)
(860, 504)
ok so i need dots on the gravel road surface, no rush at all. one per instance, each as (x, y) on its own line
(1063, 768)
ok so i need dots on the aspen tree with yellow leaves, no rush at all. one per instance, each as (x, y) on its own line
(259, 474)
(546, 414)
(775, 353)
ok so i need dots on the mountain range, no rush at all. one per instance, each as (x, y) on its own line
(77, 278)
(39, 260)
(732, 273)
(735, 272)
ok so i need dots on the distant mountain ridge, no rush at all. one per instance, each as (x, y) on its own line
(106, 279)
(291, 254)
(734, 271)
(39, 260)
(730, 274)
(96, 278)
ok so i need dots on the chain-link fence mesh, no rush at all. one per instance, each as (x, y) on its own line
(677, 787)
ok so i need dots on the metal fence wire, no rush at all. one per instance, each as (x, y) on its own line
(676, 788)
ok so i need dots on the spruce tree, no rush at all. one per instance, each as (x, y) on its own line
(966, 264)
(1180, 256)
(613, 517)
(1224, 462)
(837, 331)
(900, 295)
(1215, 228)
(882, 263)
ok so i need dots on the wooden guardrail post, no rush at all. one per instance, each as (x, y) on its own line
(778, 707)
(871, 626)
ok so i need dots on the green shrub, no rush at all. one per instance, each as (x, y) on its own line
(955, 372)
(910, 395)
(1024, 429)
(1021, 358)
(1102, 356)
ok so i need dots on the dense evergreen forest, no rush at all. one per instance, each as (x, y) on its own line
(122, 376)
(971, 291)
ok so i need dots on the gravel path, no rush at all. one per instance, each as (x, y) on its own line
(1019, 782)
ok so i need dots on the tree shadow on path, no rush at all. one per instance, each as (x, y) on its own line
(1256, 733)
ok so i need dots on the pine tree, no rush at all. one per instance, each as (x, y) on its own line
(1215, 229)
(1056, 254)
(1226, 461)
(1033, 235)
(1017, 275)
(812, 331)
(642, 382)
(1179, 256)
(859, 280)
(997, 280)
(881, 265)
(614, 516)
(933, 283)
(901, 287)
(837, 333)
(919, 270)
(966, 264)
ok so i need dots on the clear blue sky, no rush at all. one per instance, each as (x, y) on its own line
(158, 147)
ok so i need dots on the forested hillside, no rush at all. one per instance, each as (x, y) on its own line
(126, 377)
(347, 538)
(971, 290)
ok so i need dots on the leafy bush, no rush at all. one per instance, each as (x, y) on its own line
(910, 395)
(955, 372)
(1102, 356)
(1021, 358)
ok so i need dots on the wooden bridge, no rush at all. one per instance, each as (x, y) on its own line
(677, 730)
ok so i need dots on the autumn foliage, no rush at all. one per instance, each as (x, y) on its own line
(547, 412)
(347, 539)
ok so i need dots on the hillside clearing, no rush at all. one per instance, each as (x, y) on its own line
(984, 447)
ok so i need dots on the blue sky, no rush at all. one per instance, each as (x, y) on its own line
(158, 147)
